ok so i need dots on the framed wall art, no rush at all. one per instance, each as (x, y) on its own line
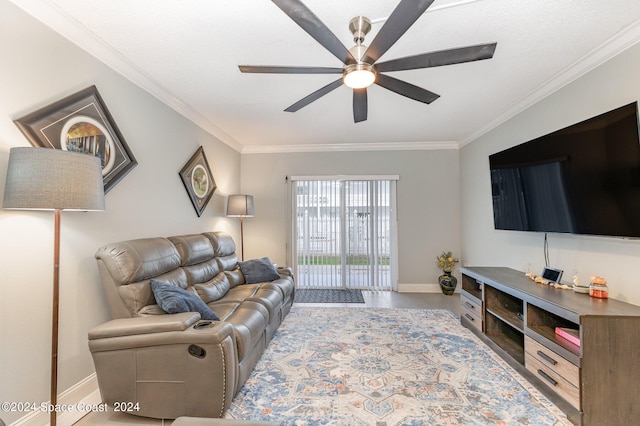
(198, 180)
(81, 123)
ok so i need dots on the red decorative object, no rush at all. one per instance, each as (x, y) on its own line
(570, 334)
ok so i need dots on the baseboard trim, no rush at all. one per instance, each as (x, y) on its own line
(419, 288)
(81, 398)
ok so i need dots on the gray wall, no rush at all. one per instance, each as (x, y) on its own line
(609, 86)
(427, 197)
(39, 67)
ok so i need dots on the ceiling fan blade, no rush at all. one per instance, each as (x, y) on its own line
(404, 15)
(314, 96)
(268, 69)
(406, 89)
(359, 105)
(309, 22)
(440, 58)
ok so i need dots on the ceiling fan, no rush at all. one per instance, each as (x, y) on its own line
(360, 69)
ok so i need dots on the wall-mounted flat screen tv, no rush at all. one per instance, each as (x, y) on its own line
(583, 179)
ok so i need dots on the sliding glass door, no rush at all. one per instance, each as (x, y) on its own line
(344, 232)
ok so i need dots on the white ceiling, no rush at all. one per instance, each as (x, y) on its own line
(187, 54)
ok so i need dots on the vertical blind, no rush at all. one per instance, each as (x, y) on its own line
(344, 232)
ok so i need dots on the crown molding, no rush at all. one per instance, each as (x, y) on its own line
(615, 45)
(56, 19)
(342, 147)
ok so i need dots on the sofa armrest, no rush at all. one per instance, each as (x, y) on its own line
(158, 330)
(285, 270)
(169, 365)
(144, 325)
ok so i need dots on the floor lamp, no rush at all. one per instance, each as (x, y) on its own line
(53, 179)
(240, 205)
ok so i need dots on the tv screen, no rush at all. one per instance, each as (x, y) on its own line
(583, 179)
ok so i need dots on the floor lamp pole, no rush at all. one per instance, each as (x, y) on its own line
(240, 205)
(55, 315)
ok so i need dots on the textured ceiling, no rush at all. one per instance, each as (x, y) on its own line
(186, 53)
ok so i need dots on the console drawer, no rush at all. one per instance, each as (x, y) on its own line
(475, 321)
(553, 380)
(474, 306)
(471, 312)
(552, 361)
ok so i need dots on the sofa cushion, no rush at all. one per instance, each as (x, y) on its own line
(202, 272)
(193, 249)
(227, 263)
(137, 260)
(284, 284)
(151, 310)
(174, 300)
(213, 289)
(136, 296)
(258, 270)
(222, 243)
(235, 277)
(270, 298)
(249, 320)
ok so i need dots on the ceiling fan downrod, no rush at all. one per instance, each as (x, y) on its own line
(359, 27)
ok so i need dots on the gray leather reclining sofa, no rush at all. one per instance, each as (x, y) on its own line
(162, 365)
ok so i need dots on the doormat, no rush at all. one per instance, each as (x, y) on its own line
(328, 296)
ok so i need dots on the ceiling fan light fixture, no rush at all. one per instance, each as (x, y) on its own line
(359, 76)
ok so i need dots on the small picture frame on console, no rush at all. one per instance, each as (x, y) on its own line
(552, 275)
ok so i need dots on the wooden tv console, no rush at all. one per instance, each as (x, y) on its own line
(595, 383)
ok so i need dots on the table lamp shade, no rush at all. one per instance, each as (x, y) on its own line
(239, 205)
(47, 179)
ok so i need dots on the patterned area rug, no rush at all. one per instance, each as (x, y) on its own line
(329, 296)
(386, 367)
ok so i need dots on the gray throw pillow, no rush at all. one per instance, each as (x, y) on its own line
(173, 300)
(258, 270)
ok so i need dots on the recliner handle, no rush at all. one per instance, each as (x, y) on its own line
(197, 351)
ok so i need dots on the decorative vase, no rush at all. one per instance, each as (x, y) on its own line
(448, 283)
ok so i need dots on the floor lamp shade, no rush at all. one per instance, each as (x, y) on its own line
(239, 205)
(53, 179)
